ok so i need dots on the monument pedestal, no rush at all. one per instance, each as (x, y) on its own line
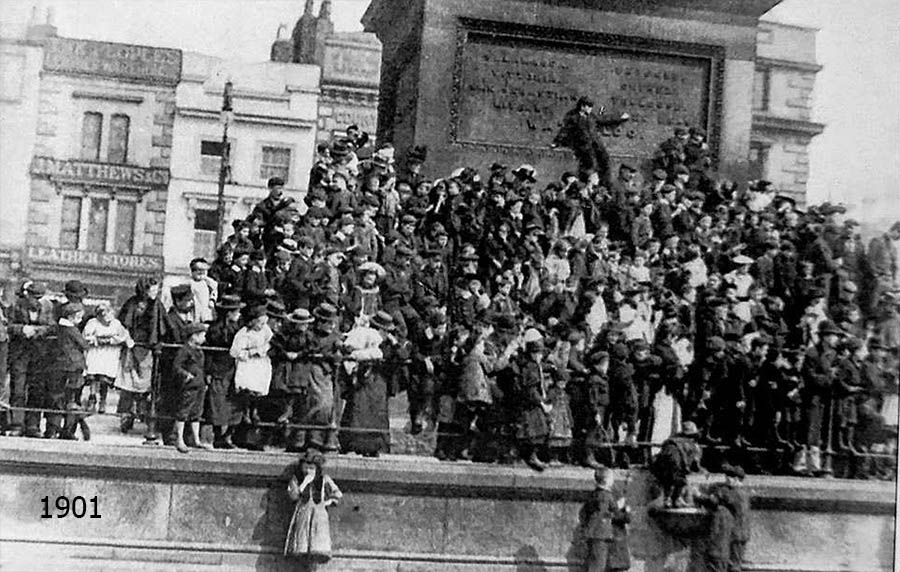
(479, 82)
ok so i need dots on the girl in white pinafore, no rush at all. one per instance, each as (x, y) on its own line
(309, 534)
(253, 369)
(250, 349)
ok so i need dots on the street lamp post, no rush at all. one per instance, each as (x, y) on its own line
(225, 163)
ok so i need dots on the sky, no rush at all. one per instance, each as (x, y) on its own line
(857, 93)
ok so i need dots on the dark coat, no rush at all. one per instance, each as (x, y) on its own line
(188, 367)
(580, 134)
(70, 348)
(531, 392)
(145, 320)
(817, 372)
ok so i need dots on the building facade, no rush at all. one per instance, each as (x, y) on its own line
(99, 166)
(351, 70)
(272, 133)
(21, 58)
(782, 129)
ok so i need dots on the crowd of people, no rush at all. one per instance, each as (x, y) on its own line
(523, 321)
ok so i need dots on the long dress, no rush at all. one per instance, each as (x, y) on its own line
(366, 410)
(309, 533)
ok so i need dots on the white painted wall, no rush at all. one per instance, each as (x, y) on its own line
(274, 103)
(20, 66)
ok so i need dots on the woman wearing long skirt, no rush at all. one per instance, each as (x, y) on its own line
(144, 317)
(365, 423)
(309, 533)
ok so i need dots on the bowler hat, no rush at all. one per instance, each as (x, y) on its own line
(340, 148)
(325, 312)
(256, 311)
(383, 321)
(75, 288)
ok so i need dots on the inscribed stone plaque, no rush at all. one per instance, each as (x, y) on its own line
(513, 87)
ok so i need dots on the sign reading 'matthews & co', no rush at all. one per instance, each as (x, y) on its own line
(99, 173)
(108, 59)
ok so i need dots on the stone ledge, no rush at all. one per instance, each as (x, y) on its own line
(405, 475)
(113, 551)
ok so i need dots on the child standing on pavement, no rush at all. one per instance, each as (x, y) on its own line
(105, 336)
(188, 367)
(70, 364)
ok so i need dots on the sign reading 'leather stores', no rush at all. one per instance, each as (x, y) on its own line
(514, 88)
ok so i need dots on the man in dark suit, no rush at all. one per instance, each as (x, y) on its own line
(579, 132)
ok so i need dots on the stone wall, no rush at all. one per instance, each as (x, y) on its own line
(216, 511)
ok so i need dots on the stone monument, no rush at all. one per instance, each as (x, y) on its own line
(483, 81)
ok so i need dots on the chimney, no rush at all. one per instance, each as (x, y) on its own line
(40, 32)
(282, 48)
(303, 36)
(324, 30)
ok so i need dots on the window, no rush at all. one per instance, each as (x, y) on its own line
(125, 216)
(91, 129)
(761, 80)
(98, 224)
(118, 139)
(275, 162)
(210, 157)
(759, 156)
(98, 220)
(206, 221)
(70, 228)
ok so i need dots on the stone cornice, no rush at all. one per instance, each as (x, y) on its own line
(208, 114)
(798, 127)
(788, 64)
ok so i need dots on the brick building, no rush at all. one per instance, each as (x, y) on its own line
(99, 168)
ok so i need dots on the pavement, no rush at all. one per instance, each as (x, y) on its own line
(105, 430)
